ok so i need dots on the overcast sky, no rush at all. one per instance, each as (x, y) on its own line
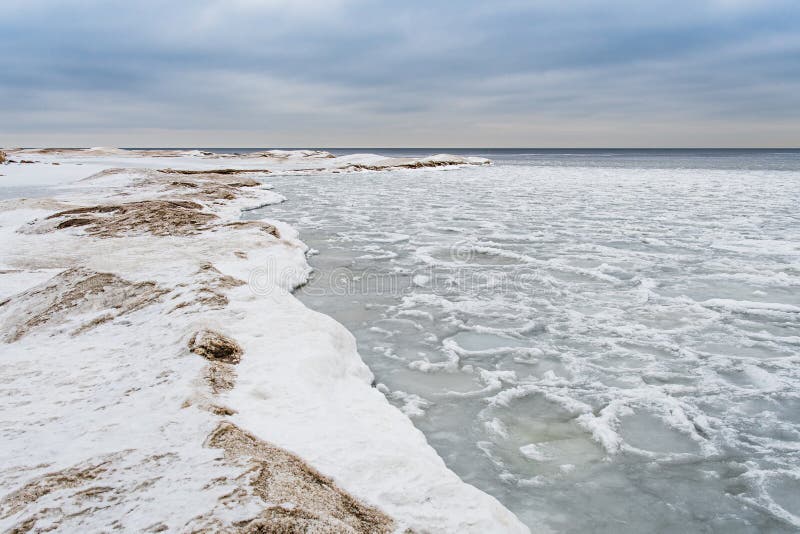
(267, 73)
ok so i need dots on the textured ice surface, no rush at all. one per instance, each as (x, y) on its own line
(604, 343)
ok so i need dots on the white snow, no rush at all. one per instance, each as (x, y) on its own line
(126, 397)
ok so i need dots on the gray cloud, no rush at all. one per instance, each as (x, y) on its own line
(362, 73)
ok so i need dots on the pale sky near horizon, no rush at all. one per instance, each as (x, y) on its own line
(270, 73)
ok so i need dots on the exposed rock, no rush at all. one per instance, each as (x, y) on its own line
(216, 347)
(157, 217)
(298, 498)
(3, 157)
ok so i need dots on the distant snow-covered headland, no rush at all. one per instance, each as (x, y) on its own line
(146, 386)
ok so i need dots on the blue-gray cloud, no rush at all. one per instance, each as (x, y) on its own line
(358, 72)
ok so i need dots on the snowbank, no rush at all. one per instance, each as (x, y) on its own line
(159, 375)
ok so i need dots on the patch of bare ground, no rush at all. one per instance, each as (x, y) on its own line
(111, 151)
(215, 347)
(219, 409)
(206, 185)
(74, 292)
(220, 377)
(411, 165)
(213, 277)
(299, 499)
(112, 172)
(54, 500)
(156, 217)
(3, 157)
(261, 225)
(201, 186)
(212, 189)
(190, 172)
(48, 150)
(46, 484)
(208, 289)
(223, 353)
(284, 154)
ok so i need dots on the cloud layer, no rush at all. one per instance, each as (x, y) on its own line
(413, 73)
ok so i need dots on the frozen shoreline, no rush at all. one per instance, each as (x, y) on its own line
(613, 328)
(108, 414)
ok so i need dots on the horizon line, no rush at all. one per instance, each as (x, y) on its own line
(432, 147)
(457, 148)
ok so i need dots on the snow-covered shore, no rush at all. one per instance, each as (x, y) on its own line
(157, 373)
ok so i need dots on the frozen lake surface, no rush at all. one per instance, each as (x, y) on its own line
(604, 341)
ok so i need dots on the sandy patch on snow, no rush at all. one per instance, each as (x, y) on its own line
(317, 504)
(147, 387)
(75, 291)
